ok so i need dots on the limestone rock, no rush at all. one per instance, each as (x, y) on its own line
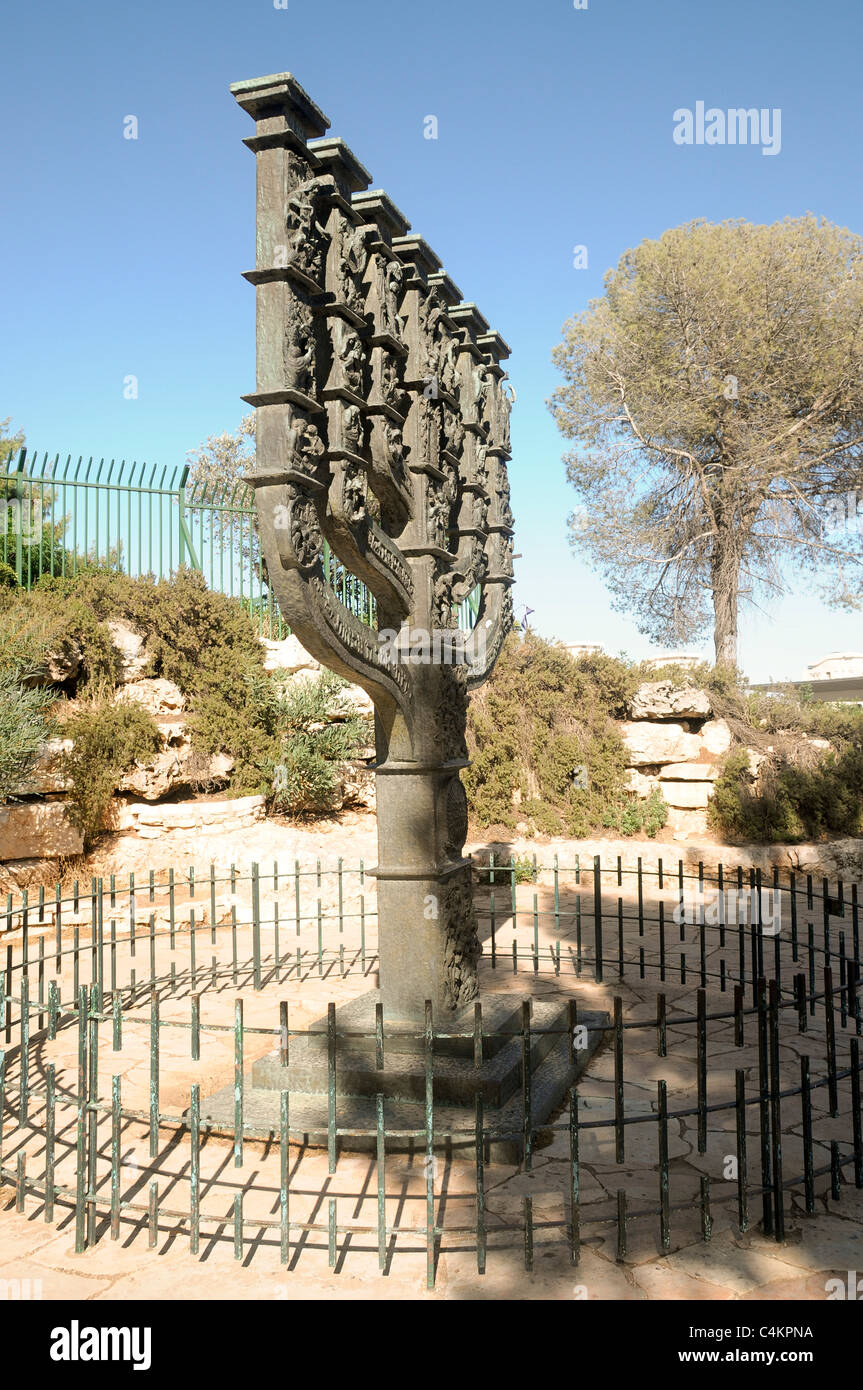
(755, 760)
(130, 645)
(156, 694)
(665, 700)
(173, 730)
(715, 737)
(359, 702)
(683, 825)
(690, 796)
(173, 768)
(151, 822)
(288, 655)
(59, 665)
(38, 830)
(640, 783)
(688, 772)
(659, 743)
(356, 786)
(46, 777)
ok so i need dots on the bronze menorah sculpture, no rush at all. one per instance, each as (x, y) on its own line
(382, 427)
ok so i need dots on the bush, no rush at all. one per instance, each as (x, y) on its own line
(519, 869)
(303, 732)
(108, 740)
(23, 727)
(790, 802)
(206, 644)
(202, 641)
(538, 722)
(631, 816)
(43, 622)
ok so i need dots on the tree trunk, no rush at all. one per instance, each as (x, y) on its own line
(725, 582)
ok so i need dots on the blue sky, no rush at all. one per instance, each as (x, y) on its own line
(554, 130)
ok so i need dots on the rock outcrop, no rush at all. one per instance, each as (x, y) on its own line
(674, 745)
(38, 830)
(664, 700)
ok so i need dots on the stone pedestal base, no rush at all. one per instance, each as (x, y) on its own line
(401, 1080)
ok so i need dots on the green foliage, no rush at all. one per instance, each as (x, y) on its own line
(518, 869)
(8, 577)
(41, 554)
(46, 622)
(708, 345)
(790, 802)
(9, 443)
(202, 641)
(30, 503)
(540, 725)
(24, 725)
(631, 816)
(299, 735)
(108, 740)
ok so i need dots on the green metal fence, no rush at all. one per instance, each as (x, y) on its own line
(63, 513)
(745, 1073)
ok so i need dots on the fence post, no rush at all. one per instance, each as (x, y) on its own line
(185, 546)
(19, 539)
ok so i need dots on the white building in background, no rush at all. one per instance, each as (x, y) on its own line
(688, 663)
(577, 649)
(836, 665)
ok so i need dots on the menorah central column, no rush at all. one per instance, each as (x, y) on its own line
(428, 943)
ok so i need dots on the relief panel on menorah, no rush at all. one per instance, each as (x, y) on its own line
(386, 392)
(299, 349)
(386, 275)
(297, 530)
(388, 470)
(348, 364)
(307, 239)
(474, 389)
(499, 409)
(347, 264)
(441, 494)
(346, 429)
(290, 438)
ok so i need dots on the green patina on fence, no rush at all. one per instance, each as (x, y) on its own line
(64, 513)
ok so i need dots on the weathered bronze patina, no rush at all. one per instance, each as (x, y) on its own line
(382, 427)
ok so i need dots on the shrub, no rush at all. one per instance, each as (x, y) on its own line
(201, 640)
(45, 621)
(538, 721)
(307, 730)
(108, 740)
(519, 869)
(23, 727)
(206, 644)
(631, 815)
(790, 802)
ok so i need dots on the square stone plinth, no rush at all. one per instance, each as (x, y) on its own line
(398, 1072)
